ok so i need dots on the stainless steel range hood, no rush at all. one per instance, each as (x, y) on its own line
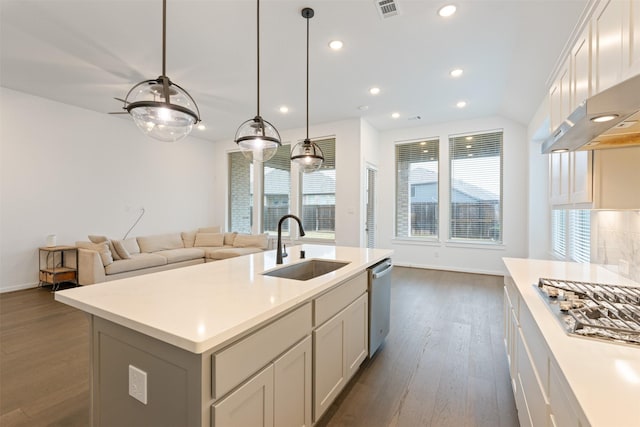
(583, 130)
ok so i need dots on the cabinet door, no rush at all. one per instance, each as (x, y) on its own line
(632, 32)
(560, 97)
(355, 334)
(292, 386)
(608, 24)
(559, 178)
(251, 405)
(581, 177)
(581, 69)
(329, 363)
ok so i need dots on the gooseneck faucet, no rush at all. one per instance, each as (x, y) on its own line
(279, 249)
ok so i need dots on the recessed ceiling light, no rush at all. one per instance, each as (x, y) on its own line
(461, 104)
(447, 10)
(336, 44)
(560, 150)
(284, 109)
(374, 90)
(395, 115)
(605, 118)
(201, 126)
(457, 72)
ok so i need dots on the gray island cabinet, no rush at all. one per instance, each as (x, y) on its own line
(207, 347)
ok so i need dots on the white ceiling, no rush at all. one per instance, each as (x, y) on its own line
(85, 52)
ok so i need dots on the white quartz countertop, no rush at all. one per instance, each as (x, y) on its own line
(604, 376)
(204, 306)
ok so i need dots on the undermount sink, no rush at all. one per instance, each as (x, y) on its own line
(306, 270)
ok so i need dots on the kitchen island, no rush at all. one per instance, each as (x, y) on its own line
(222, 344)
(558, 379)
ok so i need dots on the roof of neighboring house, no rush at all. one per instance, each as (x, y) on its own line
(278, 181)
(425, 182)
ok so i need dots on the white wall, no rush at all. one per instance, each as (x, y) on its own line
(348, 175)
(451, 256)
(73, 172)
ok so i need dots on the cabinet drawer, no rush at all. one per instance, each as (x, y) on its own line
(239, 361)
(537, 403)
(327, 305)
(536, 345)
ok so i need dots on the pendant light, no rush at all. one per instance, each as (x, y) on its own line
(306, 154)
(160, 108)
(257, 138)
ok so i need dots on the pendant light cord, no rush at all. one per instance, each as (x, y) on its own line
(258, 52)
(164, 37)
(308, 78)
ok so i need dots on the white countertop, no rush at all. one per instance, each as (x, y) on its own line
(202, 307)
(604, 377)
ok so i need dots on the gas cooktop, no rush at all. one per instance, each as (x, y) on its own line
(607, 312)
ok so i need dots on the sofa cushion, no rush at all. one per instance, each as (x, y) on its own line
(94, 238)
(160, 242)
(131, 245)
(121, 249)
(209, 240)
(224, 253)
(251, 241)
(229, 238)
(215, 229)
(101, 248)
(182, 254)
(136, 262)
(189, 238)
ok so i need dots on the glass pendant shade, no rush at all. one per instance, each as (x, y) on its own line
(162, 110)
(307, 155)
(257, 139)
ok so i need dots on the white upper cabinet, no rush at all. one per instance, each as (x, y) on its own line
(631, 65)
(608, 41)
(560, 96)
(581, 69)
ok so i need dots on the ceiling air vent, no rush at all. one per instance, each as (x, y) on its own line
(387, 8)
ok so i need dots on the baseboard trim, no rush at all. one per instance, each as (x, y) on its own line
(18, 287)
(447, 268)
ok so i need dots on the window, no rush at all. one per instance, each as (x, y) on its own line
(318, 195)
(559, 233)
(476, 187)
(580, 232)
(276, 189)
(240, 193)
(417, 188)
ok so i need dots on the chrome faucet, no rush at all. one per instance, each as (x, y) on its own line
(279, 249)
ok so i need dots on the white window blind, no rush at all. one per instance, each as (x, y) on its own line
(558, 233)
(417, 188)
(276, 190)
(580, 232)
(476, 187)
(318, 198)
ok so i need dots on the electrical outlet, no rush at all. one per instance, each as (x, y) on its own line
(138, 384)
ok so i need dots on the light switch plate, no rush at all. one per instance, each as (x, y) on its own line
(138, 384)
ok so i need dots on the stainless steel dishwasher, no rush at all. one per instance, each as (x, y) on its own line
(379, 303)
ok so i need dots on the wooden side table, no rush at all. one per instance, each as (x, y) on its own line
(55, 271)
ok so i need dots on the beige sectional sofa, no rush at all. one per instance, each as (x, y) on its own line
(103, 259)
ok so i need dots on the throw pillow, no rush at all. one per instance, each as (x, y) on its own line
(209, 239)
(251, 241)
(101, 248)
(189, 238)
(230, 237)
(100, 239)
(131, 244)
(209, 229)
(121, 249)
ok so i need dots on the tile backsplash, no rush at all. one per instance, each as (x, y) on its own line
(615, 241)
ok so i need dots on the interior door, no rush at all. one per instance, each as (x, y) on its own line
(370, 226)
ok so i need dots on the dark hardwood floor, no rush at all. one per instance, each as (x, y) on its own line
(443, 363)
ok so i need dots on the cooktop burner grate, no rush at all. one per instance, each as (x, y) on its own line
(607, 312)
